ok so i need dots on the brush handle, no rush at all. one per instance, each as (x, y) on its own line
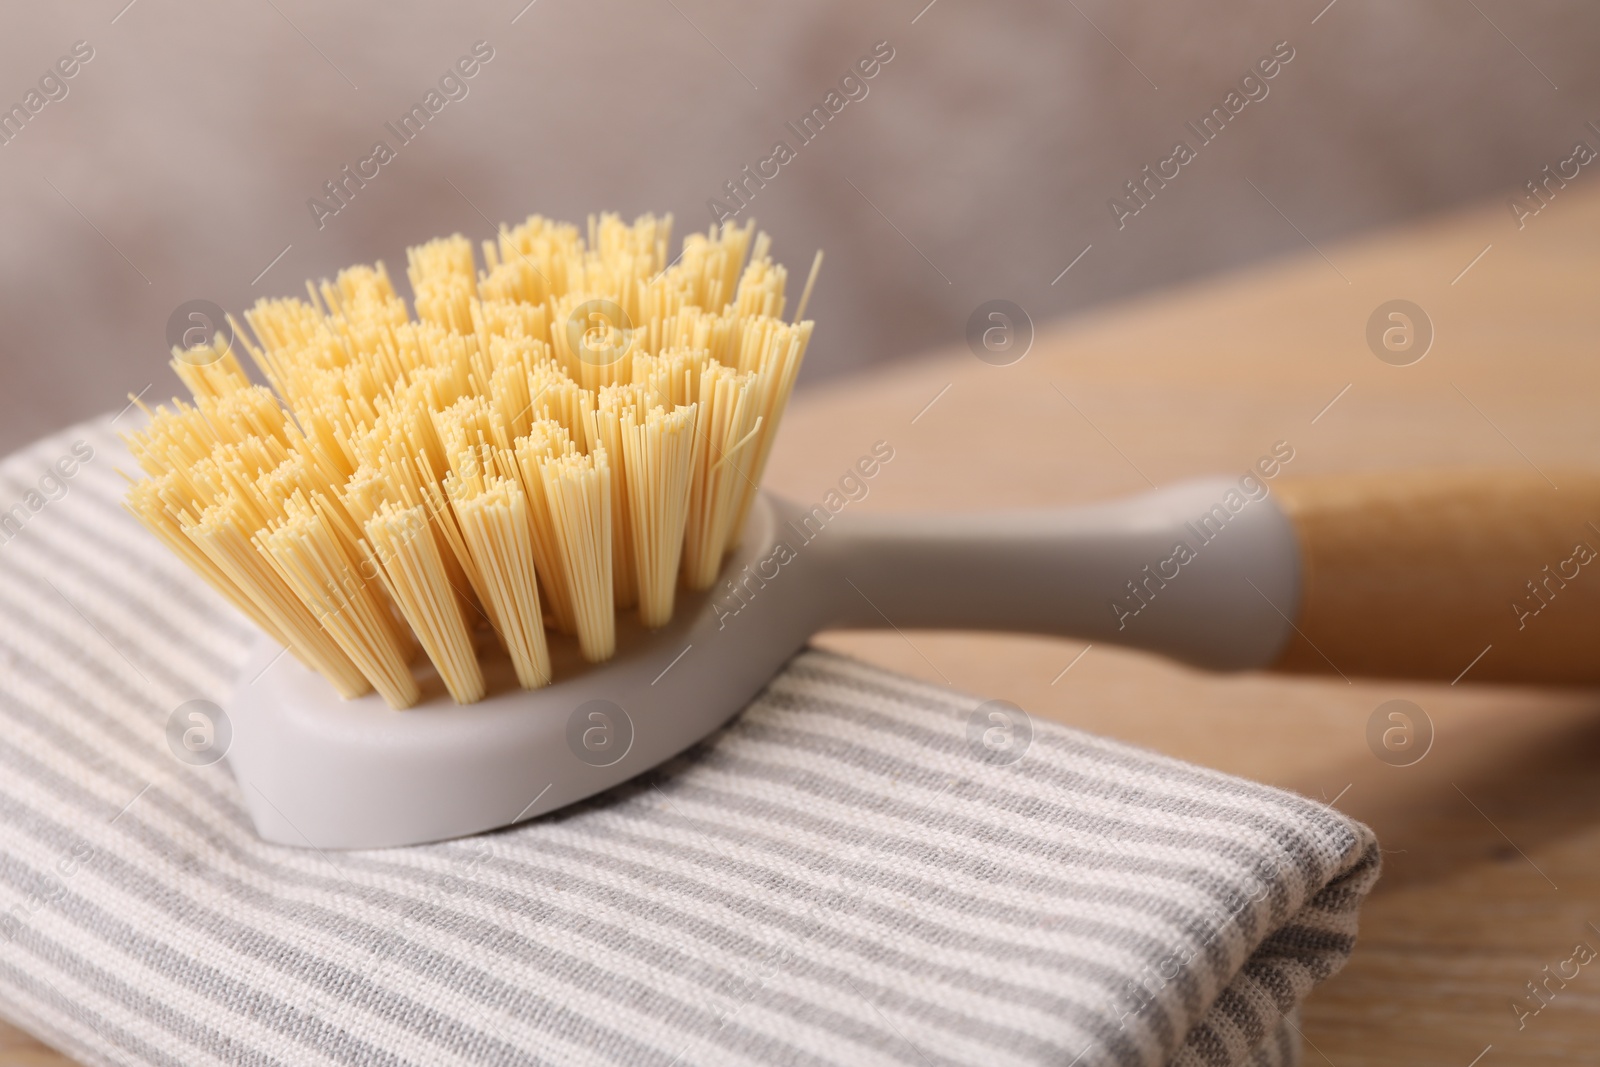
(1417, 573)
(1160, 571)
(1395, 575)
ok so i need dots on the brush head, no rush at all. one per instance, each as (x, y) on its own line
(317, 771)
(444, 508)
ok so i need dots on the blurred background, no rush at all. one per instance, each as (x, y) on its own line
(983, 159)
(977, 162)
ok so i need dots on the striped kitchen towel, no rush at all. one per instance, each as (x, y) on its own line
(859, 869)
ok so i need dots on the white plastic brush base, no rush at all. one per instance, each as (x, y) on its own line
(326, 773)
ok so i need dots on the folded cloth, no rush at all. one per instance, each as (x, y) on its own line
(860, 868)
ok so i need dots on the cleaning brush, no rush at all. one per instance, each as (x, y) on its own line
(574, 430)
(538, 497)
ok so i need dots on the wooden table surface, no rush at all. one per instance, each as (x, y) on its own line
(1492, 840)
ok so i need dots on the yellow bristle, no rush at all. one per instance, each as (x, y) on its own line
(511, 318)
(606, 432)
(308, 555)
(773, 351)
(448, 525)
(251, 409)
(209, 370)
(554, 396)
(226, 539)
(494, 519)
(146, 503)
(173, 440)
(593, 339)
(442, 282)
(728, 422)
(400, 545)
(461, 427)
(658, 453)
(672, 378)
(546, 440)
(578, 491)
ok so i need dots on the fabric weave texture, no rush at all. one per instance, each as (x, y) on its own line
(846, 874)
